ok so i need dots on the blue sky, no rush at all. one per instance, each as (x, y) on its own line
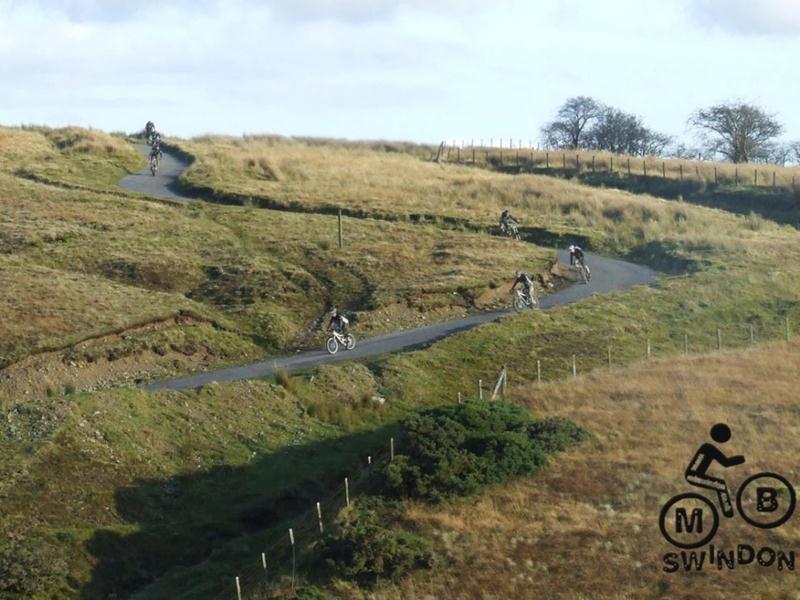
(422, 70)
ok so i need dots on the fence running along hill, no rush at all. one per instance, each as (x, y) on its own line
(530, 159)
(290, 545)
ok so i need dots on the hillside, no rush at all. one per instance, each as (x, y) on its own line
(175, 491)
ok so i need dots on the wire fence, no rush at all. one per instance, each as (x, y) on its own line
(533, 158)
(290, 546)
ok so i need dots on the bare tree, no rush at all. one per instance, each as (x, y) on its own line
(740, 132)
(623, 133)
(572, 119)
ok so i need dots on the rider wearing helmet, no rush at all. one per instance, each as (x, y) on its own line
(506, 219)
(149, 128)
(155, 150)
(338, 322)
(575, 255)
(525, 280)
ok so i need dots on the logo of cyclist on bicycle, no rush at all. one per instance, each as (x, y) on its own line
(765, 500)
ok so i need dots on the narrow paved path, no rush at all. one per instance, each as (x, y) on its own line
(165, 182)
(608, 274)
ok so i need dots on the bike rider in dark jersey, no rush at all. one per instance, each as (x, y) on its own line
(506, 220)
(338, 322)
(526, 281)
(696, 472)
(576, 255)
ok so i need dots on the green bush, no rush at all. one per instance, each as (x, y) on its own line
(365, 550)
(457, 450)
(31, 566)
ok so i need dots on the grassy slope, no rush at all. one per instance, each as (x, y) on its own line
(587, 527)
(262, 277)
(746, 270)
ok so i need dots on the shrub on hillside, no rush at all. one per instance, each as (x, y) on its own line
(365, 550)
(458, 450)
(29, 567)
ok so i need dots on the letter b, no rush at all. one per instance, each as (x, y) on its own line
(766, 499)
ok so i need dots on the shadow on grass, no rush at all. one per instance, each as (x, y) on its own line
(180, 521)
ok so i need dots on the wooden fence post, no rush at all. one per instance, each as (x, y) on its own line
(736, 176)
(788, 333)
(391, 440)
(773, 179)
(340, 229)
(715, 176)
(611, 164)
(319, 518)
(480, 389)
(459, 397)
(238, 590)
(755, 176)
(663, 169)
(680, 170)
(648, 348)
(294, 555)
(546, 160)
(609, 357)
(539, 371)
(346, 492)
(505, 381)
(574, 367)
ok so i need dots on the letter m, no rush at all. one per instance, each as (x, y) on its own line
(682, 520)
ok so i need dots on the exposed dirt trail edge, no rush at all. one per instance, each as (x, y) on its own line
(608, 274)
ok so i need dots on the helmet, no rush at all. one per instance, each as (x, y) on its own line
(334, 312)
(572, 247)
(505, 211)
(519, 273)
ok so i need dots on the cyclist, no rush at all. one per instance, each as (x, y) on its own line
(506, 221)
(155, 151)
(696, 472)
(338, 322)
(526, 281)
(576, 255)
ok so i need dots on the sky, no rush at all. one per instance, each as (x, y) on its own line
(419, 70)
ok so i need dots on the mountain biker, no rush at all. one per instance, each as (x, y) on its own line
(155, 151)
(338, 322)
(576, 255)
(696, 472)
(526, 281)
(506, 220)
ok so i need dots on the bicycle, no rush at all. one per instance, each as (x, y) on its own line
(154, 165)
(510, 230)
(337, 338)
(584, 274)
(523, 301)
(741, 499)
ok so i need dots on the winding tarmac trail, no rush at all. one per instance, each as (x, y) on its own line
(608, 274)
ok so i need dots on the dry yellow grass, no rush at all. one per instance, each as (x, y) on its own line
(586, 527)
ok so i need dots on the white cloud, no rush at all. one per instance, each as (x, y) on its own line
(761, 17)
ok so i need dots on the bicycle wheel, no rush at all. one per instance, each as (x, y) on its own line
(711, 531)
(350, 341)
(332, 345)
(519, 303)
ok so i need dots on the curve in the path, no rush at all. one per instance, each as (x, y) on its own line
(164, 184)
(608, 274)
